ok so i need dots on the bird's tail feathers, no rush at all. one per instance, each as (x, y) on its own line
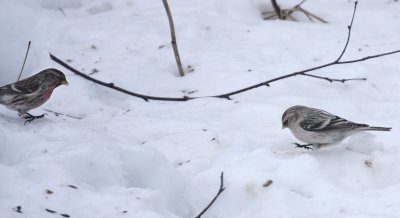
(377, 128)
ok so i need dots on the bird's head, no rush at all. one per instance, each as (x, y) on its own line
(291, 115)
(54, 77)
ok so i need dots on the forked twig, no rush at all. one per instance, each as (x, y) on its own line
(337, 61)
(333, 80)
(220, 190)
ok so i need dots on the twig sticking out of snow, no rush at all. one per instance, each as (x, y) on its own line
(23, 64)
(228, 95)
(286, 14)
(173, 38)
(333, 80)
(277, 9)
(220, 190)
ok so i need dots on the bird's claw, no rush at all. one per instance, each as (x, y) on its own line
(29, 118)
(307, 146)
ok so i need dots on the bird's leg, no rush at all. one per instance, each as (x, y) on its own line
(29, 117)
(306, 146)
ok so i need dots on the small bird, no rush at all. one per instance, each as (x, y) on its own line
(319, 128)
(31, 92)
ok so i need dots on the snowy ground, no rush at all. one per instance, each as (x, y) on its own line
(130, 158)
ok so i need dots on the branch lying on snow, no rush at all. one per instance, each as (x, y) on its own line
(220, 190)
(338, 61)
(333, 80)
(66, 115)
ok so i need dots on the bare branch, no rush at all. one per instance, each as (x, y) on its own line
(270, 16)
(23, 64)
(220, 190)
(173, 38)
(308, 14)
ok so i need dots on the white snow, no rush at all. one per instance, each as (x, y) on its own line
(131, 158)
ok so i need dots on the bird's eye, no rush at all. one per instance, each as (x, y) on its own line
(285, 123)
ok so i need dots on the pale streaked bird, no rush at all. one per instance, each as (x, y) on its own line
(319, 128)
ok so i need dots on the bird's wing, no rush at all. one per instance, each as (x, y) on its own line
(326, 121)
(6, 90)
(26, 86)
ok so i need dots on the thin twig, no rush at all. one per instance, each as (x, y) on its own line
(277, 9)
(349, 33)
(333, 80)
(229, 94)
(173, 38)
(312, 15)
(58, 114)
(23, 64)
(368, 57)
(307, 14)
(270, 16)
(220, 190)
(268, 12)
(299, 4)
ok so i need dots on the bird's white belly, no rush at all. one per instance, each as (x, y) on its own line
(320, 137)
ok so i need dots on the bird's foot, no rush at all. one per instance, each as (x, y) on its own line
(306, 146)
(29, 117)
